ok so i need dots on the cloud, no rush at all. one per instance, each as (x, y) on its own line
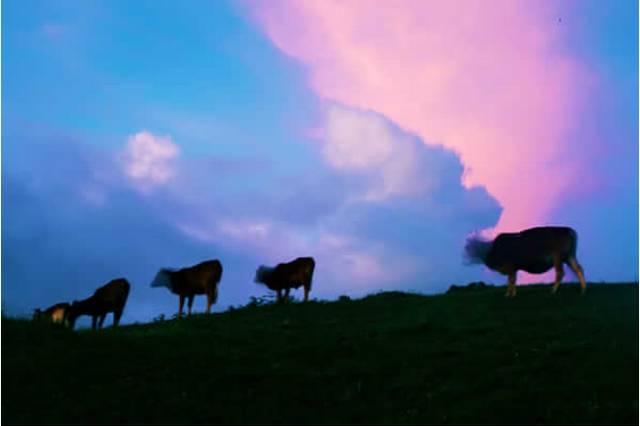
(396, 220)
(397, 163)
(149, 160)
(385, 211)
(496, 85)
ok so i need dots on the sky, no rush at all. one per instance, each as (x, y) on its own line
(372, 136)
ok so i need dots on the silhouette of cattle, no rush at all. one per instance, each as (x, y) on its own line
(56, 313)
(109, 298)
(202, 278)
(285, 276)
(534, 250)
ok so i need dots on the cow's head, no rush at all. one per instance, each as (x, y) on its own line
(476, 249)
(162, 279)
(262, 274)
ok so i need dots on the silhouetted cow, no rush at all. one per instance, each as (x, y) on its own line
(534, 250)
(56, 313)
(111, 297)
(202, 278)
(285, 276)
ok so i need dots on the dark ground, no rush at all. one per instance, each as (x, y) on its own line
(466, 357)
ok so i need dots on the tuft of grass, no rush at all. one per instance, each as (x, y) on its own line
(465, 357)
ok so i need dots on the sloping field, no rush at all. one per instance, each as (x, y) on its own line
(467, 357)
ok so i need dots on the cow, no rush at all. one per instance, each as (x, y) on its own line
(534, 250)
(285, 276)
(111, 297)
(202, 278)
(56, 314)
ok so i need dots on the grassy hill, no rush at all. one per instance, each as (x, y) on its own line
(466, 357)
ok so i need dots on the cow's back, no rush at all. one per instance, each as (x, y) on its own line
(558, 240)
(533, 249)
(197, 279)
(296, 273)
(114, 293)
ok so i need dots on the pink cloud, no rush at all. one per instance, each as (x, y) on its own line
(491, 81)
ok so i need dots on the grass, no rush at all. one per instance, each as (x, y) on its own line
(469, 357)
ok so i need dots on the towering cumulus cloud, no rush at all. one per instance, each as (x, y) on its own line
(394, 211)
(492, 82)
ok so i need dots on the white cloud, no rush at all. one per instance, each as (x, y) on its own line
(366, 143)
(149, 160)
(394, 213)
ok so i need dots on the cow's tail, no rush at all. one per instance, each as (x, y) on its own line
(476, 249)
(214, 293)
(312, 267)
(573, 243)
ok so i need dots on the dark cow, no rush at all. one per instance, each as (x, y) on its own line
(202, 278)
(534, 250)
(56, 313)
(285, 276)
(109, 298)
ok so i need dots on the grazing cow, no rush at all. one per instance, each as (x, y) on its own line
(202, 278)
(285, 276)
(534, 250)
(109, 298)
(56, 314)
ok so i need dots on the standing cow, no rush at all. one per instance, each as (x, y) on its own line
(285, 276)
(56, 314)
(202, 278)
(111, 297)
(534, 250)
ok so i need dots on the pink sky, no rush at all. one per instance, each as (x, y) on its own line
(492, 81)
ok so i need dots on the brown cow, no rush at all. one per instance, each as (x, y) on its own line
(534, 250)
(202, 278)
(285, 276)
(56, 314)
(109, 298)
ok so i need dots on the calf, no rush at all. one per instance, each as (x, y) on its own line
(534, 250)
(109, 298)
(202, 278)
(56, 313)
(285, 276)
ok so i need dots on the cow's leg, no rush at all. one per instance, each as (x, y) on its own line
(209, 302)
(279, 296)
(190, 304)
(559, 275)
(94, 320)
(102, 317)
(511, 286)
(577, 269)
(181, 305)
(116, 316)
(286, 295)
(306, 293)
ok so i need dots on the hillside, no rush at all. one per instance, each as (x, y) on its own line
(469, 357)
